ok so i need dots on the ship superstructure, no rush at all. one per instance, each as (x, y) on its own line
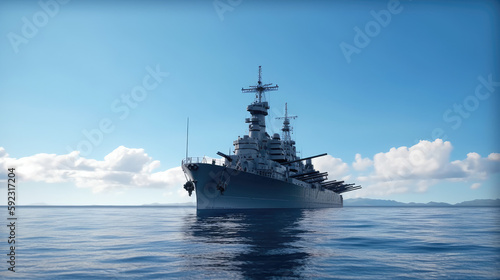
(264, 171)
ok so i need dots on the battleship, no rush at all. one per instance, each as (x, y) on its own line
(263, 171)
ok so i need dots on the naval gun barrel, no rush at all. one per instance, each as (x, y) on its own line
(304, 174)
(313, 176)
(225, 156)
(333, 183)
(297, 160)
(347, 189)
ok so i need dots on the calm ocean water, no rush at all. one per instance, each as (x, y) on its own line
(175, 242)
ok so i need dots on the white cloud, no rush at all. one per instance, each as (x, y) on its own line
(3, 153)
(475, 186)
(122, 168)
(421, 166)
(474, 166)
(335, 167)
(494, 156)
(423, 160)
(400, 170)
(361, 163)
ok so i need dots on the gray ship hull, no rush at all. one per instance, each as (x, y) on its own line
(244, 190)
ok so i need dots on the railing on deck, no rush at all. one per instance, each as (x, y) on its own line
(270, 173)
(207, 160)
(221, 162)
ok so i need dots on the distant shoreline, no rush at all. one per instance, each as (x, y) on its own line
(354, 202)
(193, 206)
(367, 202)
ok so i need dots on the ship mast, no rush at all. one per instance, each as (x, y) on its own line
(260, 88)
(258, 110)
(286, 125)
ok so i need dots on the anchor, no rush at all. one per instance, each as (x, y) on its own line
(189, 187)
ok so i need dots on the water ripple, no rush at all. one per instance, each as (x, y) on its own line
(178, 243)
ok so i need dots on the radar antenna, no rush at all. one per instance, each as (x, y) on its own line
(286, 124)
(260, 88)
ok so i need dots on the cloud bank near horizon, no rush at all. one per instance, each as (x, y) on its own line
(400, 170)
(121, 169)
(413, 169)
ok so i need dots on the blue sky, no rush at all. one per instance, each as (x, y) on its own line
(71, 69)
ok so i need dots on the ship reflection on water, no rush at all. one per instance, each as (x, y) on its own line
(254, 244)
